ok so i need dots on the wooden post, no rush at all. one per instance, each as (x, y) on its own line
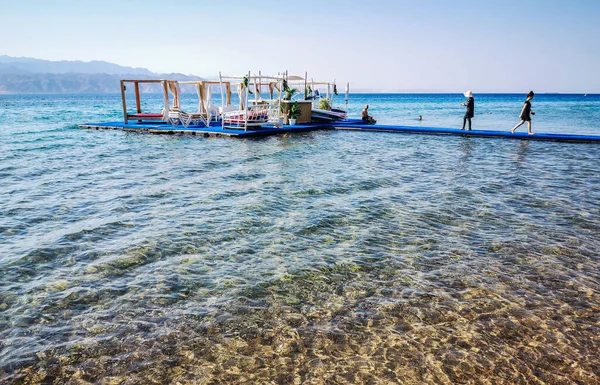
(124, 101)
(228, 93)
(137, 98)
(166, 93)
(201, 88)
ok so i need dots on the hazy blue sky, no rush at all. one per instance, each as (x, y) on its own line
(396, 45)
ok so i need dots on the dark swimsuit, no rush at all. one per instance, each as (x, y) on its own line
(526, 111)
(470, 112)
(470, 108)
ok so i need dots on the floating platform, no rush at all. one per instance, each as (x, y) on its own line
(215, 129)
(470, 133)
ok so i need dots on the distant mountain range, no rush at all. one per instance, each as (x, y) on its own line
(36, 76)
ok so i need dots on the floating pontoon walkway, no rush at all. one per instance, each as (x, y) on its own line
(215, 129)
(474, 133)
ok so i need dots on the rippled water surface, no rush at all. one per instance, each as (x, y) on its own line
(327, 257)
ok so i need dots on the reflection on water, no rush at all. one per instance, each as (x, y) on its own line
(522, 152)
(322, 258)
(466, 149)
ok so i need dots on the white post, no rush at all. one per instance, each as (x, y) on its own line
(279, 106)
(280, 90)
(312, 82)
(257, 88)
(333, 93)
(222, 100)
(305, 85)
(246, 107)
(347, 93)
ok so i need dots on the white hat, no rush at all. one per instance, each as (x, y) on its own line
(468, 94)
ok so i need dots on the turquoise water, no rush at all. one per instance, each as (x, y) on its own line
(322, 257)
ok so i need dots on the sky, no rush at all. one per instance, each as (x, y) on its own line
(376, 45)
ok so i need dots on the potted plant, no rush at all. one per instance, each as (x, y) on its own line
(325, 104)
(293, 113)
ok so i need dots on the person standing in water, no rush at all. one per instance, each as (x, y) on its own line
(526, 114)
(470, 104)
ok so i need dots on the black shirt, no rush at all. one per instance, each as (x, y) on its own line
(470, 107)
(526, 111)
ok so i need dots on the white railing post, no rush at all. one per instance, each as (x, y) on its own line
(333, 93)
(347, 93)
(257, 87)
(279, 106)
(222, 101)
(247, 104)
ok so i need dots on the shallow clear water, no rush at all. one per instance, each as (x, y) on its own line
(323, 257)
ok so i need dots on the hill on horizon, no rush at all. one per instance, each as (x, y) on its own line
(21, 75)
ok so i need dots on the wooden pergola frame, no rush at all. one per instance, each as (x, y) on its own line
(136, 85)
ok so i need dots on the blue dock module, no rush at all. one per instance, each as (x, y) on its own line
(472, 133)
(214, 129)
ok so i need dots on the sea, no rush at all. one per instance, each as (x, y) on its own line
(323, 257)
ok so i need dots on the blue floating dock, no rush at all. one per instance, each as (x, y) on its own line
(215, 129)
(469, 133)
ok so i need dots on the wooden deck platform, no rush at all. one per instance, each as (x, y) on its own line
(215, 129)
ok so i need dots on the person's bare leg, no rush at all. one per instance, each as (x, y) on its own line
(517, 126)
(529, 128)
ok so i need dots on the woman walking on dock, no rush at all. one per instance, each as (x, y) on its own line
(470, 104)
(526, 114)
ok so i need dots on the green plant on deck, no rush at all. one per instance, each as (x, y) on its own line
(325, 104)
(307, 92)
(289, 93)
(245, 82)
(294, 110)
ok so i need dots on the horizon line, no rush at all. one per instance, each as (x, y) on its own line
(360, 92)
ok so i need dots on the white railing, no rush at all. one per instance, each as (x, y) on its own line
(252, 113)
(252, 116)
